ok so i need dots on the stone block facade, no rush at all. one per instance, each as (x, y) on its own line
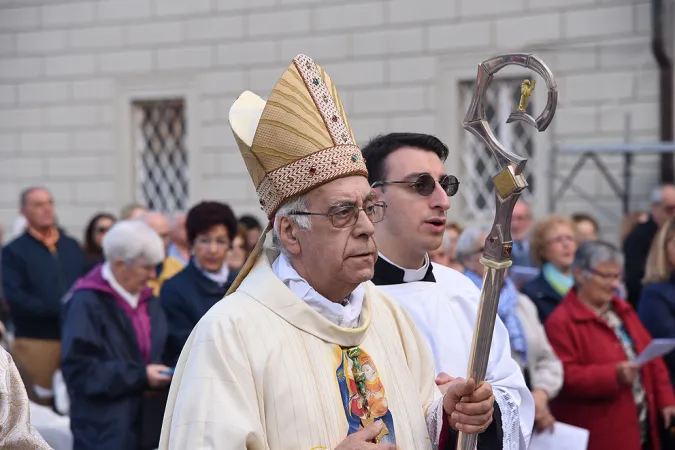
(70, 71)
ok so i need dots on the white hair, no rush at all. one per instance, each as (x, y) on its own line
(130, 240)
(295, 204)
(466, 243)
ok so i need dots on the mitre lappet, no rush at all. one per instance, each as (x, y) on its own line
(294, 142)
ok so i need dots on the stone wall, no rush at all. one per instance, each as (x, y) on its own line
(68, 71)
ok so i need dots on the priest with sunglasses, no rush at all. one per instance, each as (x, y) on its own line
(406, 171)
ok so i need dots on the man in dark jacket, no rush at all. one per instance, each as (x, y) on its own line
(638, 242)
(38, 268)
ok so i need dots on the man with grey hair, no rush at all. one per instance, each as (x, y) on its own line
(638, 242)
(38, 268)
(114, 332)
(305, 353)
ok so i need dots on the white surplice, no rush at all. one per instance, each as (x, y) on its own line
(261, 371)
(445, 312)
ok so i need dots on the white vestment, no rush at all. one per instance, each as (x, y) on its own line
(16, 431)
(264, 370)
(445, 312)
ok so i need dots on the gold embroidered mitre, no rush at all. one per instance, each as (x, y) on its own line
(299, 139)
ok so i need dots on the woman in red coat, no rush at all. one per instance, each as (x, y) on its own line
(597, 336)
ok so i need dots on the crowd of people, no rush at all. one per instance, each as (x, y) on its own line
(186, 332)
(66, 304)
(167, 272)
(579, 310)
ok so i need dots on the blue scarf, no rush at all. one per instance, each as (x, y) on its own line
(508, 299)
(560, 282)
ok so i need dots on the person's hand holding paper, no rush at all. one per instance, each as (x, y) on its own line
(562, 437)
(656, 348)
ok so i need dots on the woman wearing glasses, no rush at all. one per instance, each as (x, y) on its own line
(97, 227)
(552, 244)
(597, 336)
(211, 228)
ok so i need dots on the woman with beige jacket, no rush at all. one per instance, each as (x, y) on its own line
(530, 347)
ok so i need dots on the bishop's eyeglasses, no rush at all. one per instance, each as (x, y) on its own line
(344, 216)
(425, 184)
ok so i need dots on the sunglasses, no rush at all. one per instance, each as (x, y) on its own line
(425, 184)
(102, 230)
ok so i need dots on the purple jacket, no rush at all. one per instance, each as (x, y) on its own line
(140, 319)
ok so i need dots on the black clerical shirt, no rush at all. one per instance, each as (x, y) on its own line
(387, 273)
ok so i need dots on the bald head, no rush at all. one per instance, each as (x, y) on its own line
(663, 203)
(158, 222)
(178, 232)
(521, 221)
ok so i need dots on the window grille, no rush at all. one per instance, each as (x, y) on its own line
(161, 154)
(478, 165)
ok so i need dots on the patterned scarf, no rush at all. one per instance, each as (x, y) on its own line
(560, 282)
(508, 299)
(639, 395)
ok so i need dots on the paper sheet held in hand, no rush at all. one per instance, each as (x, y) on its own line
(564, 437)
(656, 348)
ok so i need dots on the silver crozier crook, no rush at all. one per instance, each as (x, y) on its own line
(509, 183)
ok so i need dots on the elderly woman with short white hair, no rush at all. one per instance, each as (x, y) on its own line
(529, 346)
(113, 339)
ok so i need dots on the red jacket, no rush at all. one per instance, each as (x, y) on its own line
(591, 396)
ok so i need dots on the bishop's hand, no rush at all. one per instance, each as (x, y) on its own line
(469, 407)
(363, 439)
(443, 381)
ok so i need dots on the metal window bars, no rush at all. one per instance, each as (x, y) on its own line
(161, 154)
(478, 163)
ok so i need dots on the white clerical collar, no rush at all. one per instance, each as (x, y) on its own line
(345, 316)
(131, 299)
(410, 275)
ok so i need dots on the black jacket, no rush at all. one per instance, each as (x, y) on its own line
(35, 280)
(636, 249)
